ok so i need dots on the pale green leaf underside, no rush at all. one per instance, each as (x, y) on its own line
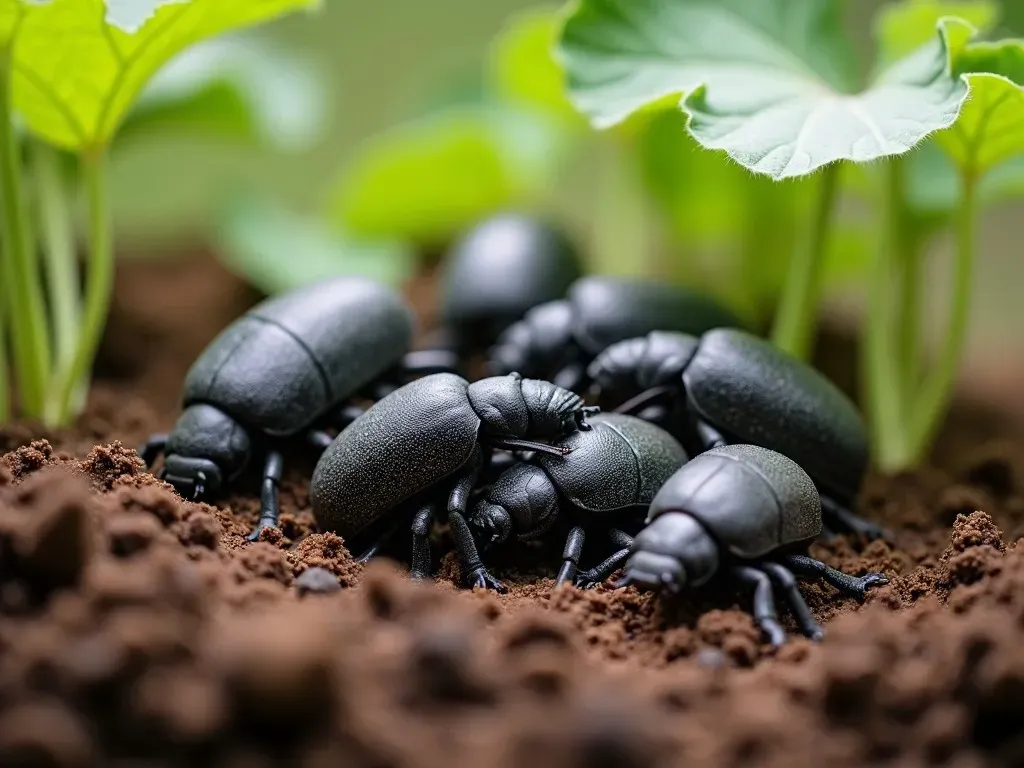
(767, 95)
(903, 27)
(76, 75)
(426, 180)
(991, 128)
(277, 251)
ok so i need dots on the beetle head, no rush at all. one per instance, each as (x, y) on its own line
(491, 524)
(205, 449)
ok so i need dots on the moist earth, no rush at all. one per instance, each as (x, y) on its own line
(137, 628)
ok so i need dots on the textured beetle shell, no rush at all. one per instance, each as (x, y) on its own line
(291, 358)
(499, 270)
(621, 462)
(752, 500)
(754, 393)
(608, 309)
(405, 443)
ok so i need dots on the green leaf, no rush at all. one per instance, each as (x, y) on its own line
(277, 251)
(243, 89)
(77, 73)
(991, 128)
(522, 68)
(10, 13)
(768, 82)
(427, 180)
(903, 27)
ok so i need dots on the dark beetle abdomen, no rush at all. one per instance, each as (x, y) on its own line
(621, 462)
(754, 393)
(405, 443)
(291, 358)
(609, 309)
(752, 500)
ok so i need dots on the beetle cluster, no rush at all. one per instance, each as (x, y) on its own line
(777, 449)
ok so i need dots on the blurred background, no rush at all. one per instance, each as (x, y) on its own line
(411, 77)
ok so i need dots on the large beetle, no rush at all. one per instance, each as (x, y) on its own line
(606, 480)
(557, 340)
(729, 386)
(498, 271)
(741, 511)
(284, 368)
(424, 443)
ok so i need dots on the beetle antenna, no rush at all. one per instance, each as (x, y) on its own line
(515, 444)
(644, 398)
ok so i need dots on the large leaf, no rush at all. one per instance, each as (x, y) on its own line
(240, 89)
(991, 128)
(768, 82)
(77, 73)
(903, 27)
(276, 250)
(426, 180)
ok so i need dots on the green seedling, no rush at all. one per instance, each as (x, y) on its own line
(978, 160)
(773, 85)
(76, 103)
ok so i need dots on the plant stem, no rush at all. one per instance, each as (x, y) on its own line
(884, 390)
(798, 306)
(60, 262)
(26, 315)
(5, 390)
(621, 226)
(939, 389)
(908, 255)
(99, 281)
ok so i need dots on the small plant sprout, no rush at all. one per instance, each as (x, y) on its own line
(773, 85)
(908, 404)
(76, 102)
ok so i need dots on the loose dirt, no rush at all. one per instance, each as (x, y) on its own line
(140, 629)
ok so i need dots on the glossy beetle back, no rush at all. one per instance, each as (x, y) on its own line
(621, 462)
(751, 499)
(405, 443)
(291, 358)
(498, 271)
(754, 393)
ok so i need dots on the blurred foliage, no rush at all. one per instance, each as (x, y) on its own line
(277, 251)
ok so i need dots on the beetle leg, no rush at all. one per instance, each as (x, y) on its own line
(709, 436)
(764, 603)
(786, 583)
(594, 576)
(571, 555)
(371, 552)
(270, 509)
(473, 570)
(318, 438)
(855, 586)
(152, 448)
(420, 566)
(842, 519)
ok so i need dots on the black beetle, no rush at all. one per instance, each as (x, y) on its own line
(557, 340)
(737, 388)
(739, 510)
(607, 478)
(283, 368)
(499, 270)
(424, 440)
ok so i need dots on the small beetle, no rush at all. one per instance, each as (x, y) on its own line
(558, 339)
(426, 439)
(280, 370)
(738, 388)
(498, 271)
(607, 477)
(739, 510)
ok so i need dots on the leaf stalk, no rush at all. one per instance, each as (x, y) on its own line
(801, 295)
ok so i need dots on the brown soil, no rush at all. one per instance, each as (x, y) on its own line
(137, 628)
